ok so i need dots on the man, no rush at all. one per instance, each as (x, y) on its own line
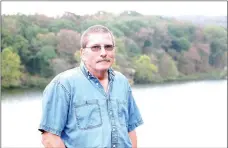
(90, 105)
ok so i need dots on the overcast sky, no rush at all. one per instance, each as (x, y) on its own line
(170, 8)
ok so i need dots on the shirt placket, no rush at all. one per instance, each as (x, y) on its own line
(114, 133)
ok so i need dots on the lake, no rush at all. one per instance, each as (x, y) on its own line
(191, 114)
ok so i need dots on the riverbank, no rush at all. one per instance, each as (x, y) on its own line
(38, 83)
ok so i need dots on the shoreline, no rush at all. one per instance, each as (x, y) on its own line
(170, 82)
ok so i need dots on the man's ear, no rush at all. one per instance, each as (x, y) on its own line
(82, 53)
(81, 50)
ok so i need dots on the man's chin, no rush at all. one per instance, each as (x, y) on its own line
(104, 67)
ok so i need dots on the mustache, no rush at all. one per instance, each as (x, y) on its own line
(105, 59)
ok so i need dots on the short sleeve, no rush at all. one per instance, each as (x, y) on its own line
(135, 118)
(54, 108)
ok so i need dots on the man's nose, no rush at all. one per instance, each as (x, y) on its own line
(103, 52)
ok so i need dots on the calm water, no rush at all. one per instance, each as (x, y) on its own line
(192, 114)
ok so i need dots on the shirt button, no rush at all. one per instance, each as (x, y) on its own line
(110, 113)
(113, 129)
(114, 146)
(97, 83)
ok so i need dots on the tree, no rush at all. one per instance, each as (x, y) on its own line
(59, 65)
(58, 24)
(217, 37)
(214, 32)
(132, 48)
(204, 51)
(167, 68)
(41, 20)
(21, 46)
(135, 24)
(185, 65)
(68, 41)
(180, 44)
(121, 25)
(218, 47)
(120, 46)
(185, 30)
(115, 66)
(144, 70)
(40, 64)
(11, 66)
(115, 30)
(7, 38)
(161, 39)
(176, 30)
(143, 38)
(47, 39)
(77, 56)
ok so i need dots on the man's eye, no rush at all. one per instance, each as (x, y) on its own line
(108, 46)
(96, 47)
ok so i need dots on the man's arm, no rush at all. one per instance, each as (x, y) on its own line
(50, 140)
(54, 113)
(134, 119)
(133, 138)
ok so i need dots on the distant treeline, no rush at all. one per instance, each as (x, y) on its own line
(149, 49)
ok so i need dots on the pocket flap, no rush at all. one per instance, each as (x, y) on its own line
(85, 102)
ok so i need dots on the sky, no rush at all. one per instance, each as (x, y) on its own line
(167, 8)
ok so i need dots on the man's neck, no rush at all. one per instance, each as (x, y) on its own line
(101, 75)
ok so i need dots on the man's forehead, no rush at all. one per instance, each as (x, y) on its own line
(100, 35)
(99, 38)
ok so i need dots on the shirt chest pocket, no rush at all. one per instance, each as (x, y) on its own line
(88, 114)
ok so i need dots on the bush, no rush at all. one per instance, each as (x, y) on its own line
(144, 70)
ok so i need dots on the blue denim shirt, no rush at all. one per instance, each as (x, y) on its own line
(76, 108)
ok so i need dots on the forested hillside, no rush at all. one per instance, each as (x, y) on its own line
(150, 49)
(205, 20)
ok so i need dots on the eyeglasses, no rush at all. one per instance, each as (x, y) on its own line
(97, 48)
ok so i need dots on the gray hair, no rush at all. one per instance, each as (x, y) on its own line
(95, 29)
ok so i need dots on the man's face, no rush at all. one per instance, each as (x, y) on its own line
(96, 58)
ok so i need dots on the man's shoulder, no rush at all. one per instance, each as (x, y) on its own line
(67, 75)
(73, 72)
(120, 76)
(65, 79)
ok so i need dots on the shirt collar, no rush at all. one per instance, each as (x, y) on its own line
(86, 72)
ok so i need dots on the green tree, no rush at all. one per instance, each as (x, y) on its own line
(58, 24)
(47, 39)
(214, 32)
(21, 46)
(144, 70)
(7, 38)
(185, 30)
(135, 24)
(132, 48)
(217, 48)
(11, 66)
(180, 44)
(40, 63)
(115, 30)
(121, 25)
(176, 30)
(120, 46)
